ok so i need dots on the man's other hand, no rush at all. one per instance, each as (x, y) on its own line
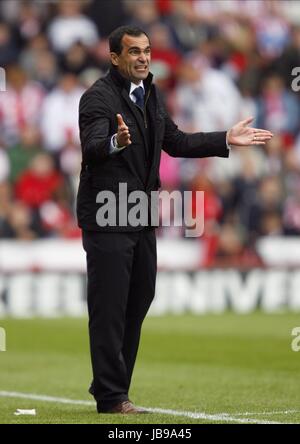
(242, 135)
(123, 135)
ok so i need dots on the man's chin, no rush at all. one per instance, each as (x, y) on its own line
(142, 75)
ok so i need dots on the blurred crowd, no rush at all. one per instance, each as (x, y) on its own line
(216, 62)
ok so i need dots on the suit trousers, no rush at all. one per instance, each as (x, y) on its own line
(121, 271)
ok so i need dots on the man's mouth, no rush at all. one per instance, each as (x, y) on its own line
(141, 68)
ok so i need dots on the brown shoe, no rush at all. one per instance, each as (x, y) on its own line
(125, 408)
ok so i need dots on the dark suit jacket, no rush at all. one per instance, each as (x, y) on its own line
(138, 164)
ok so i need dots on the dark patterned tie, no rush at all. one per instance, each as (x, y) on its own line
(139, 95)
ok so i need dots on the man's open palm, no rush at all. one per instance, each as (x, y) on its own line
(242, 135)
(123, 135)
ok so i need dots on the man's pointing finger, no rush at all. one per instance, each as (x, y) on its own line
(120, 120)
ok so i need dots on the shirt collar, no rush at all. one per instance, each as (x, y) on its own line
(119, 80)
(133, 86)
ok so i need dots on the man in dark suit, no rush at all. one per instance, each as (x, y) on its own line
(123, 127)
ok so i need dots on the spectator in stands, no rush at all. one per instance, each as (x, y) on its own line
(30, 20)
(8, 48)
(245, 186)
(206, 99)
(20, 105)
(272, 31)
(39, 62)
(269, 200)
(71, 26)
(20, 223)
(16, 219)
(111, 15)
(165, 58)
(271, 224)
(56, 216)
(76, 59)
(143, 14)
(21, 154)
(291, 208)
(229, 247)
(189, 29)
(212, 204)
(274, 155)
(38, 183)
(277, 107)
(59, 115)
(5, 204)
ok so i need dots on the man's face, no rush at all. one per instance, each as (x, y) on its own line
(134, 60)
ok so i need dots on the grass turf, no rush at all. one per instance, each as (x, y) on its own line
(213, 364)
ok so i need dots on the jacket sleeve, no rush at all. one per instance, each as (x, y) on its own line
(180, 144)
(94, 126)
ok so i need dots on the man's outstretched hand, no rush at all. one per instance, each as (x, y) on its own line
(123, 135)
(242, 135)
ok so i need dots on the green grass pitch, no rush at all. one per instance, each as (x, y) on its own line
(242, 366)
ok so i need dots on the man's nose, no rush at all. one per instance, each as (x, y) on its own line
(142, 58)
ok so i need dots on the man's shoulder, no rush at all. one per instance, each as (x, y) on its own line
(101, 89)
(100, 86)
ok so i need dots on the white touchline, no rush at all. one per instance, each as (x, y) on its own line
(212, 417)
(274, 412)
(44, 398)
(226, 417)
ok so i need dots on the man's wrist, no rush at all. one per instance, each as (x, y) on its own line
(116, 144)
(229, 146)
(114, 147)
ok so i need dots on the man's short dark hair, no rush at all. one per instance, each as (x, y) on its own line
(115, 38)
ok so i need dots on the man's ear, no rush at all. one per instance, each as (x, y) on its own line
(114, 58)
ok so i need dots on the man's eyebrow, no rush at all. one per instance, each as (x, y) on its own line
(136, 47)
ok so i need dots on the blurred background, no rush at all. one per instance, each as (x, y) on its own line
(216, 62)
